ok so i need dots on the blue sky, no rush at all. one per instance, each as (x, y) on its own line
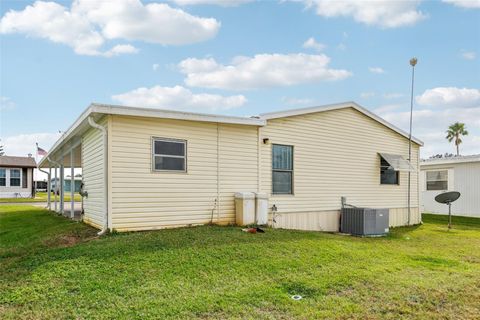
(241, 58)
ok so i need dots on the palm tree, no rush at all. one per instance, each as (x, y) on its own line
(454, 132)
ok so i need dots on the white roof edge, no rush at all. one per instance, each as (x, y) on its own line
(171, 114)
(98, 108)
(464, 159)
(348, 104)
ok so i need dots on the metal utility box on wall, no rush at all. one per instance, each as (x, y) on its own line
(245, 208)
(261, 208)
(364, 221)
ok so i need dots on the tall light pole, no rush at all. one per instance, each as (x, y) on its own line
(413, 62)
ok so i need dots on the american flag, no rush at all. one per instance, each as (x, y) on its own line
(40, 151)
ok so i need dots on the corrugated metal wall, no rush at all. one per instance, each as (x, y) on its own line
(462, 177)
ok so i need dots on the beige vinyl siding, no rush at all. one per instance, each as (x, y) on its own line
(93, 175)
(238, 166)
(144, 199)
(336, 154)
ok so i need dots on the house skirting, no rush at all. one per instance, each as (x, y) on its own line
(329, 220)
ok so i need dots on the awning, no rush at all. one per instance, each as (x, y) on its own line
(397, 162)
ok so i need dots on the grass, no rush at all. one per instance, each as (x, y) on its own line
(41, 197)
(54, 268)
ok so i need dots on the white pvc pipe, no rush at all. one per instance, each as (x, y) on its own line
(95, 125)
(72, 186)
(56, 181)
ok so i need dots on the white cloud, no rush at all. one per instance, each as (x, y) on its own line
(222, 3)
(430, 126)
(376, 70)
(87, 25)
(120, 49)
(23, 144)
(178, 98)
(295, 102)
(393, 95)
(262, 70)
(468, 55)
(311, 43)
(385, 109)
(6, 103)
(450, 97)
(383, 13)
(366, 95)
(155, 66)
(468, 4)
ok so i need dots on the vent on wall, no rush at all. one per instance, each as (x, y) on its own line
(364, 221)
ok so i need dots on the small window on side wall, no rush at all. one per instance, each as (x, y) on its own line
(14, 177)
(169, 155)
(3, 177)
(387, 174)
(437, 180)
(282, 169)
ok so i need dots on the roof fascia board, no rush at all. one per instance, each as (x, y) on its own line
(177, 115)
(449, 161)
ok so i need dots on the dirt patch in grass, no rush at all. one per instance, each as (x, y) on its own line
(69, 240)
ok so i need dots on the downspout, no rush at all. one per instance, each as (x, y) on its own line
(48, 186)
(95, 125)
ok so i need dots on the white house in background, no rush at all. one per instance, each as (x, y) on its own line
(146, 169)
(460, 174)
(16, 177)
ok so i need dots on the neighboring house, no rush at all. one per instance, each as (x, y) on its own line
(41, 186)
(16, 177)
(462, 174)
(149, 168)
(66, 183)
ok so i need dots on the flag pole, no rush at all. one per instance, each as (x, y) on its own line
(413, 62)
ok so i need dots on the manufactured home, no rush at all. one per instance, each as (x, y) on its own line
(16, 177)
(149, 169)
(462, 174)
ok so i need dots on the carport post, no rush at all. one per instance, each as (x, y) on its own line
(49, 181)
(72, 186)
(56, 187)
(62, 189)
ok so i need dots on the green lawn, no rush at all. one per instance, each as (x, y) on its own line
(55, 268)
(42, 197)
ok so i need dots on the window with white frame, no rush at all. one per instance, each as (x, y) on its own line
(437, 180)
(15, 179)
(3, 177)
(169, 155)
(282, 169)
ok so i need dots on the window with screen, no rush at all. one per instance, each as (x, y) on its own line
(387, 174)
(437, 180)
(169, 155)
(282, 169)
(3, 177)
(15, 178)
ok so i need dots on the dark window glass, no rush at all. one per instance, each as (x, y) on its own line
(170, 148)
(437, 185)
(169, 155)
(282, 182)
(387, 174)
(169, 163)
(282, 169)
(24, 177)
(3, 177)
(14, 178)
(437, 180)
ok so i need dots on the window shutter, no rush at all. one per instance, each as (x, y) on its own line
(24, 178)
